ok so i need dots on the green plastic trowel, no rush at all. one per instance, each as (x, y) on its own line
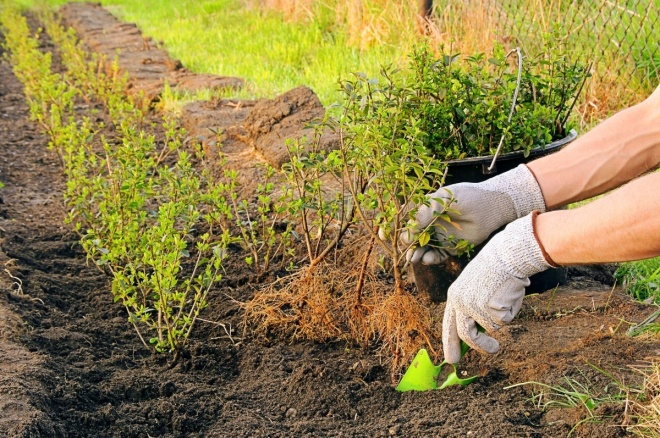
(421, 374)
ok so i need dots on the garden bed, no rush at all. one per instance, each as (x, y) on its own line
(71, 365)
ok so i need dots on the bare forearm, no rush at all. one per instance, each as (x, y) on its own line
(616, 151)
(623, 225)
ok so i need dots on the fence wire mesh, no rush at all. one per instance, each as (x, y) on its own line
(620, 38)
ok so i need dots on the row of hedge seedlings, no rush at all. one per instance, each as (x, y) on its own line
(145, 214)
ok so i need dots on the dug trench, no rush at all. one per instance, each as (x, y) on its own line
(71, 365)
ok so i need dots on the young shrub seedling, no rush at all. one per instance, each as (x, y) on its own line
(257, 221)
(388, 172)
(308, 303)
(144, 212)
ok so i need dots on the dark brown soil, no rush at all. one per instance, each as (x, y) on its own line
(71, 365)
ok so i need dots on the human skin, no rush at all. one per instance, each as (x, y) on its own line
(622, 225)
(617, 150)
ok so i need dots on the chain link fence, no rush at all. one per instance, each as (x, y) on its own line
(620, 38)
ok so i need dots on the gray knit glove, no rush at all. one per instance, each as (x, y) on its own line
(480, 209)
(490, 290)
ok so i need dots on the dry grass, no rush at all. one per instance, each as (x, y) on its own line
(471, 26)
(604, 94)
(644, 407)
(294, 10)
(372, 22)
(465, 27)
(475, 26)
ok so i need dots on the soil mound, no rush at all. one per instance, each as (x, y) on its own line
(271, 122)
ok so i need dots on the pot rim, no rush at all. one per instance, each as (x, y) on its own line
(572, 135)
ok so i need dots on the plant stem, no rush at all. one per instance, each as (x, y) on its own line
(363, 270)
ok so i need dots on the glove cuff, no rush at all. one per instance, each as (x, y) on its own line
(547, 257)
(519, 249)
(521, 186)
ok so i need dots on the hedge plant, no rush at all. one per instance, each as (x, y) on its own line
(465, 104)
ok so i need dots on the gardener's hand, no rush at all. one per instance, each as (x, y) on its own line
(476, 211)
(490, 290)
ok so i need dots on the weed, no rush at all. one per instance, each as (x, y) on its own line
(578, 393)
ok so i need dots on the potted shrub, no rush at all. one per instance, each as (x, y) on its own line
(478, 116)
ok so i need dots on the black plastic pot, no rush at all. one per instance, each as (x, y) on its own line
(436, 279)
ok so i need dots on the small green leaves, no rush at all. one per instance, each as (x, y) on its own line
(137, 217)
(464, 105)
(383, 159)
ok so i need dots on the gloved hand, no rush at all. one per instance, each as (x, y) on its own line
(479, 210)
(490, 290)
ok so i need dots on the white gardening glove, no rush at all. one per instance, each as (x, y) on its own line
(479, 210)
(490, 290)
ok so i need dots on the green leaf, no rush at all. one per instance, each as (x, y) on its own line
(424, 239)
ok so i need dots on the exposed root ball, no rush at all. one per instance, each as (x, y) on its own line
(403, 325)
(301, 306)
(326, 304)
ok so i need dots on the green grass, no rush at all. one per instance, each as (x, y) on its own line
(579, 393)
(224, 37)
(227, 37)
(641, 279)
